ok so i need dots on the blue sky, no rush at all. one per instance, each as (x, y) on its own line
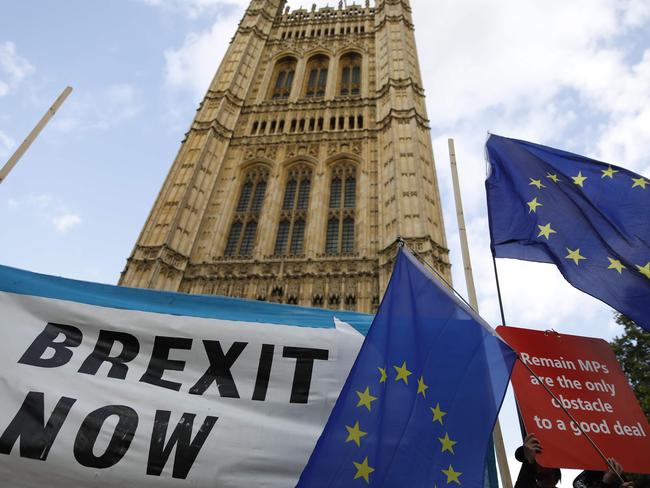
(75, 204)
(575, 75)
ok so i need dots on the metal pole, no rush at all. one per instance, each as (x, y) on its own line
(496, 276)
(497, 436)
(4, 172)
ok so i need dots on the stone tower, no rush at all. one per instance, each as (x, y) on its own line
(308, 157)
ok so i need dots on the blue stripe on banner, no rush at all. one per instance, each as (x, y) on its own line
(22, 282)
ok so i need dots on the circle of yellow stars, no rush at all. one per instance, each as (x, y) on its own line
(547, 231)
(365, 399)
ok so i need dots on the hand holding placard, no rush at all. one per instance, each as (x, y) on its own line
(532, 448)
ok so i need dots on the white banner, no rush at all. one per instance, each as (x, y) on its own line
(107, 386)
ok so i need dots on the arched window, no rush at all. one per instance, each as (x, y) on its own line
(350, 74)
(243, 229)
(293, 219)
(316, 79)
(283, 75)
(339, 238)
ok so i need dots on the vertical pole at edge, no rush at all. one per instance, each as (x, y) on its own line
(496, 276)
(497, 436)
(4, 171)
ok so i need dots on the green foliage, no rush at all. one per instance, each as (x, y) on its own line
(633, 352)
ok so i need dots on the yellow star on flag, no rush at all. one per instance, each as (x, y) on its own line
(533, 204)
(355, 434)
(644, 270)
(382, 371)
(546, 231)
(579, 180)
(402, 373)
(552, 177)
(422, 388)
(640, 182)
(616, 264)
(537, 183)
(447, 443)
(609, 172)
(365, 399)
(438, 414)
(575, 256)
(363, 470)
(452, 475)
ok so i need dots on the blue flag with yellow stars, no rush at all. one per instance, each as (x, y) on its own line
(590, 219)
(422, 398)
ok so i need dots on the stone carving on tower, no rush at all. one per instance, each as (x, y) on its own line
(309, 155)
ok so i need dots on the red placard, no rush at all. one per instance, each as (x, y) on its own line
(584, 374)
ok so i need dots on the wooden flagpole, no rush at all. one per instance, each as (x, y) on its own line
(499, 446)
(4, 171)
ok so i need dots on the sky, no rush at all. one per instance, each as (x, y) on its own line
(574, 75)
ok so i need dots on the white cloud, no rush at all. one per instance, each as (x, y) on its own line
(192, 66)
(561, 73)
(47, 209)
(189, 68)
(13, 68)
(637, 12)
(64, 223)
(113, 105)
(6, 145)
(512, 52)
(512, 60)
(525, 69)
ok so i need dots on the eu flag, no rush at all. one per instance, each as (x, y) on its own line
(590, 219)
(422, 398)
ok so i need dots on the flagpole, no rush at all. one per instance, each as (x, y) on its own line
(497, 436)
(496, 276)
(4, 171)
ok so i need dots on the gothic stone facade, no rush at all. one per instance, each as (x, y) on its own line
(308, 157)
